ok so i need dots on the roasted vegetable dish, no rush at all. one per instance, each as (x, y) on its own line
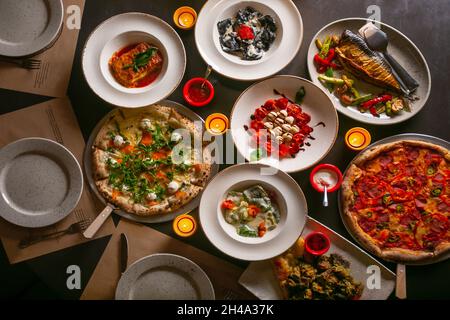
(326, 278)
(252, 211)
(249, 34)
(341, 60)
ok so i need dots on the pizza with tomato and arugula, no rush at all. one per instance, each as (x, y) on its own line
(133, 161)
(396, 200)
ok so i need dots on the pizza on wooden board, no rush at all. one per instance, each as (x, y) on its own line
(396, 200)
(134, 165)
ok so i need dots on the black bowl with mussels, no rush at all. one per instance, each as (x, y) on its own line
(248, 33)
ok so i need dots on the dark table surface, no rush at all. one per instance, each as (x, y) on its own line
(425, 23)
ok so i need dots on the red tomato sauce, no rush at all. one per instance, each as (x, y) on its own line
(317, 242)
(197, 93)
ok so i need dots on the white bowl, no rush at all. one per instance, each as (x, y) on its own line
(121, 41)
(230, 12)
(282, 52)
(223, 236)
(316, 103)
(124, 29)
(231, 230)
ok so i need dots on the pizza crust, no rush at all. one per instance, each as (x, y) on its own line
(375, 151)
(121, 200)
(99, 163)
(191, 192)
(442, 249)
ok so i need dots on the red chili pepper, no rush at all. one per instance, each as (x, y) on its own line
(366, 105)
(331, 54)
(373, 111)
(325, 63)
(320, 61)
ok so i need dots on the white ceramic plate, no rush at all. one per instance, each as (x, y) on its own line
(290, 198)
(126, 29)
(28, 27)
(164, 276)
(316, 103)
(87, 164)
(401, 48)
(259, 277)
(40, 181)
(284, 49)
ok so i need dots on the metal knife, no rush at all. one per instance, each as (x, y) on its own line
(123, 252)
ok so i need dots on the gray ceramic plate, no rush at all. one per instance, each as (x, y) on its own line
(28, 27)
(398, 137)
(259, 277)
(401, 48)
(164, 276)
(151, 219)
(40, 181)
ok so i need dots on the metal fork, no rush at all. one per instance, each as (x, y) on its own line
(77, 227)
(30, 64)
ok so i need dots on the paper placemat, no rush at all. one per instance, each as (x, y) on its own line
(52, 79)
(54, 120)
(143, 241)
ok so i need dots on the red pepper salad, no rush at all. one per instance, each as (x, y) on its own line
(280, 125)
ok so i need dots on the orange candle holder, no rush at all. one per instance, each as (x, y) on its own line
(185, 17)
(357, 138)
(184, 225)
(217, 123)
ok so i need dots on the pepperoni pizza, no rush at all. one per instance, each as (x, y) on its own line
(396, 200)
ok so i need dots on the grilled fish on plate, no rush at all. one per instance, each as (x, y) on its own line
(360, 60)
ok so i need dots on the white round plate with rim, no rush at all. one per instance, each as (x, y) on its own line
(41, 182)
(126, 29)
(316, 103)
(289, 229)
(87, 165)
(164, 276)
(28, 27)
(283, 51)
(401, 48)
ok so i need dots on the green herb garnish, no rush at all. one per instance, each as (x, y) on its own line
(246, 231)
(300, 95)
(141, 59)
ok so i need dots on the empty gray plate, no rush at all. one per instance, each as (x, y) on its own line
(40, 182)
(164, 276)
(28, 27)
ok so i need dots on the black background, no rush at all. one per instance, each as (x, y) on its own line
(424, 22)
